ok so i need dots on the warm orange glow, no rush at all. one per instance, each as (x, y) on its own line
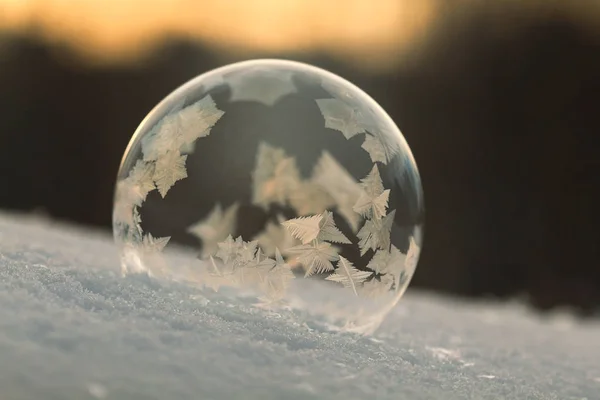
(371, 33)
(368, 31)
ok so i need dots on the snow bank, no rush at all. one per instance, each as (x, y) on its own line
(72, 328)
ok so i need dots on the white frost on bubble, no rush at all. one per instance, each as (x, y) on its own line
(197, 120)
(170, 168)
(341, 117)
(348, 275)
(329, 232)
(238, 263)
(277, 280)
(340, 91)
(141, 177)
(341, 186)
(275, 236)
(265, 86)
(316, 257)
(180, 128)
(377, 287)
(276, 180)
(144, 255)
(151, 244)
(308, 197)
(382, 146)
(384, 262)
(215, 227)
(317, 227)
(305, 229)
(132, 191)
(373, 200)
(412, 256)
(274, 177)
(375, 234)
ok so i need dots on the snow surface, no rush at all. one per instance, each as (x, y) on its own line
(72, 328)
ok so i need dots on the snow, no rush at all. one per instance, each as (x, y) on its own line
(72, 328)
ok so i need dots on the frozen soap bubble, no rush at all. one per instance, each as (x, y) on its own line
(291, 188)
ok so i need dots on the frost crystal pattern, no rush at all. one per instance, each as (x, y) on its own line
(287, 182)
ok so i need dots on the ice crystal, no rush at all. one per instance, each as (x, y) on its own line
(329, 232)
(215, 227)
(275, 236)
(315, 258)
(308, 197)
(261, 86)
(181, 128)
(384, 261)
(243, 263)
(275, 176)
(348, 275)
(316, 227)
(277, 280)
(375, 234)
(340, 185)
(170, 168)
(305, 229)
(380, 147)
(373, 200)
(341, 117)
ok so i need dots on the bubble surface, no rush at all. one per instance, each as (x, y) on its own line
(279, 182)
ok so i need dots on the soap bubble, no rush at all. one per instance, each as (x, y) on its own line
(278, 183)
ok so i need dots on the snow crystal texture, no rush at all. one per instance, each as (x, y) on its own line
(71, 327)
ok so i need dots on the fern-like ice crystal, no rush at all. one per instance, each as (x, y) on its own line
(316, 257)
(348, 275)
(317, 227)
(170, 168)
(373, 200)
(375, 234)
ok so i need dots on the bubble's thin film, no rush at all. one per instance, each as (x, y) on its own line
(288, 182)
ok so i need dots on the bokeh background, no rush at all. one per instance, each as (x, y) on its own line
(500, 102)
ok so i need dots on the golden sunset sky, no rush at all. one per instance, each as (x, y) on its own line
(370, 33)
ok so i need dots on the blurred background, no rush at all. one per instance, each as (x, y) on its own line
(500, 102)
